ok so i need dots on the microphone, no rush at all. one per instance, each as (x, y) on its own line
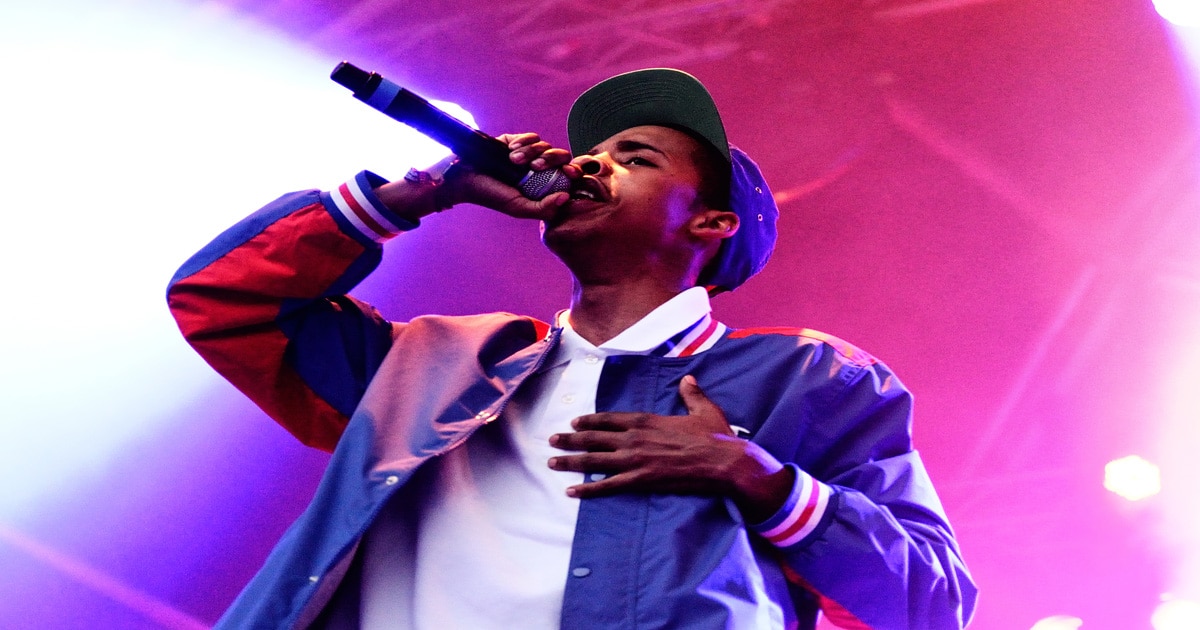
(483, 152)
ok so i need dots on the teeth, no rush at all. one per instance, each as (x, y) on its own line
(585, 194)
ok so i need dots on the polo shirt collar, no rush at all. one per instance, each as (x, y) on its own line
(681, 326)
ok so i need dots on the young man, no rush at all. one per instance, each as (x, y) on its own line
(633, 464)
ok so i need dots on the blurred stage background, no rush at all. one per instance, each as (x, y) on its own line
(999, 198)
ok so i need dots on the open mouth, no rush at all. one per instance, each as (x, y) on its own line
(589, 189)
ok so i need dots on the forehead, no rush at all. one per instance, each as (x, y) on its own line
(671, 142)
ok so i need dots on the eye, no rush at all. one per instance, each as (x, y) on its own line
(638, 160)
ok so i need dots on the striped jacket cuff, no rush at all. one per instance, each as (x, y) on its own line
(355, 204)
(800, 514)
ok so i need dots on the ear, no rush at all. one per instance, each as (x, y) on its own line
(714, 225)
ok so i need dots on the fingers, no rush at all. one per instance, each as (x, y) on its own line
(529, 148)
(612, 421)
(553, 158)
(524, 148)
(592, 441)
(469, 186)
(613, 472)
(516, 140)
(526, 153)
(644, 452)
(616, 472)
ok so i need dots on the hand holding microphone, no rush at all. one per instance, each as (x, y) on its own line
(476, 149)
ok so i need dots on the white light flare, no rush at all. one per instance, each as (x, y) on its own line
(133, 133)
(1058, 622)
(1179, 12)
(1132, 478)
(1176, 614)
(1177, 431)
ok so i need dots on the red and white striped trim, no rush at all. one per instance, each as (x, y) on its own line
(805, 515)
(702, 337)
(361, 213)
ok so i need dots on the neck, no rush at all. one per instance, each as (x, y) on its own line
(600, 312)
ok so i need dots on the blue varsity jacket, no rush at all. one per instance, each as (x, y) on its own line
(265, 304)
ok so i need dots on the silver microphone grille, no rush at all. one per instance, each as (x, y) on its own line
(538, 184)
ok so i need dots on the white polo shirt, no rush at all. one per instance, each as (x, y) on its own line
(488, 546)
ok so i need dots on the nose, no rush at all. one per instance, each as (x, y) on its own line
(591, 165)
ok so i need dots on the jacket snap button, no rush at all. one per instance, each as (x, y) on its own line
(391, 480)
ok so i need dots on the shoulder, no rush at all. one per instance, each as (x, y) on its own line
(479, 327)
(804, 337)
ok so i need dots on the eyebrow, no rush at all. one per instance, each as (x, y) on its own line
(629, 146)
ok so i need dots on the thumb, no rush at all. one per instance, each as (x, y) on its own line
(553, 201)
(701, 408)
(693, 397)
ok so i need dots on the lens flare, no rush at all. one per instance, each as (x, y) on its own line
(1058, 622)
(139, 131)
(1132, 478)
(1176, 614)
(1179, 12)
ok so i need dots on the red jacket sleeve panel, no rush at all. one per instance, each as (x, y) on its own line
(237, 305)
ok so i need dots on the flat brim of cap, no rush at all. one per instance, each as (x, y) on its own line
(655, 96)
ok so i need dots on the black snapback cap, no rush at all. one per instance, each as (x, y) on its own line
(673, 98)
(656, 96)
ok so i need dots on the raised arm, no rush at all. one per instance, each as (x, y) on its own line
(265, 302)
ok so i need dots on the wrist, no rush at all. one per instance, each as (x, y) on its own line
(801, 514)
(760, 496)
(413, 197)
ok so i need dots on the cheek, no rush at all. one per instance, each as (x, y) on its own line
(680, 204)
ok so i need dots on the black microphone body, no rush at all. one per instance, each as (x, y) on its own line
(483, 152)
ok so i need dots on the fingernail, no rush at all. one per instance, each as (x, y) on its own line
(553, 463)
(689, 379)
(572, 492)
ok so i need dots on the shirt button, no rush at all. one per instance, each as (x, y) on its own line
(568, 399)
(581, 571)
(596, 477)
(591, 358)
(391, 480)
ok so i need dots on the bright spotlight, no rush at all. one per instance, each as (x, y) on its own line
(194, 117)
(1058, 622)
(1179, 12)
(1176, 614)
(1132, 478)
